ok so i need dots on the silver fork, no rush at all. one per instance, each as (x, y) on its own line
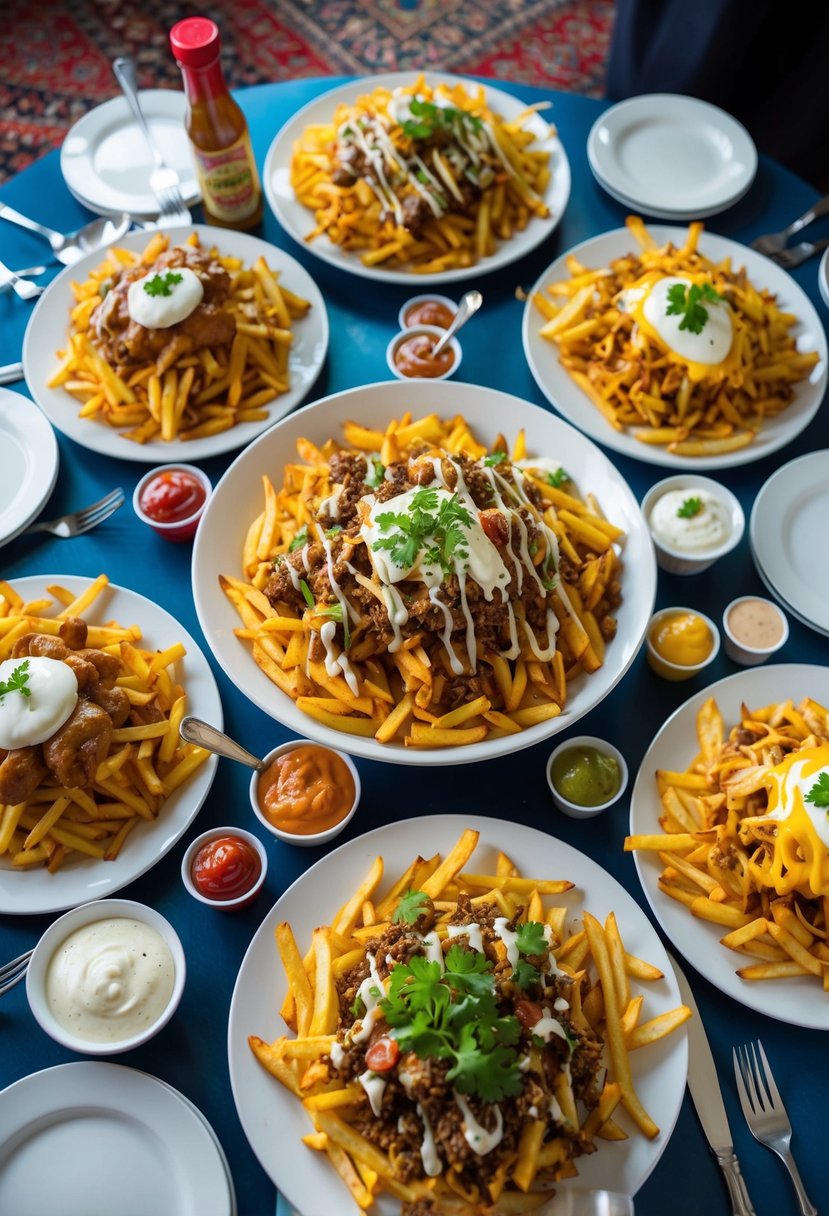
(773, 242)
(765, 1113)
(81, 521)
(164, 181)
(795, 254)
(21, 288)
(12, 973)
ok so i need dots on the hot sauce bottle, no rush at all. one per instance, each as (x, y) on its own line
(231, 193)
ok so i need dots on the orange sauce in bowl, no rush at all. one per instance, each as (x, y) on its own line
(306, 790)
(413, 357)
(429, 312)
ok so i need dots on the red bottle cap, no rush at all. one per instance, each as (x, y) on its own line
(195, 41)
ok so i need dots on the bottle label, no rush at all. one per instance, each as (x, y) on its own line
(229, 181)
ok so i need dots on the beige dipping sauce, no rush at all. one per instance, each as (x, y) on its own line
(110, 980)
(756, 624)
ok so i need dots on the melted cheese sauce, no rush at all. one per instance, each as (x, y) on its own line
(801, 853)
(53, 694)
(712, 350)
(162, 311)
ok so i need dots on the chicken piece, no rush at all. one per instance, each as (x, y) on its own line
(115, 701)
(108, 666)
(78, 747)
(144, 715)
(85, 673)
(73, 632)
(40, 645)
(21, 772)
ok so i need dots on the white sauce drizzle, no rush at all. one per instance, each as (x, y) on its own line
(432, 1165)
(337, 1054)
(547, 1026)
(509, 938)
(432, 949)
(471, 932)
(477, 1137)
(375, 1087)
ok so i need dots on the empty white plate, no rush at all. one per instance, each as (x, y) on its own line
(788, 537)
(28, 462)
(106, 162)
(671, 156)
(823, 278)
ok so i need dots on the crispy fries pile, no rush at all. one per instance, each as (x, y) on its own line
(146, 763)
(180, 395)
(354, 218)
(637, 383)
(731, 865)
(597, 970)
(398, 694)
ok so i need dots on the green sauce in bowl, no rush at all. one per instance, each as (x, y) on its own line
(586, 776)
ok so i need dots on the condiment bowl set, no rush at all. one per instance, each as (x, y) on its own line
(240, 901)
(680, 671)
(181, 529)
(313, 838)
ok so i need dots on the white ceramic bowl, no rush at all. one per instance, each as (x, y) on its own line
(57, 933)
(432, 331)
(240, 901)
(313, 838)
(428, 297)
(678, 561)
(237, 500)
(180, 529)
(574, 809)
(751, 656)
(676, 671)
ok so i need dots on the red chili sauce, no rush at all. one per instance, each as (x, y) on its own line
(172, 496)
(429, 312)
(225, 868)
(413, 357)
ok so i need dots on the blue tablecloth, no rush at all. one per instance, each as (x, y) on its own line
(191, 1052)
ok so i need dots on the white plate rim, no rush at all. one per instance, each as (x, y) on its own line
(698, 941)
(766, 521)
(49, 325)
(256, 1094)
(43, 461)
(569, 400)
(297, 220)
(823, 277)
(78, 170)
(85, 1085)
(663, 213)
(217, 618)
(667, 105)
(27, 894)
(774, 592)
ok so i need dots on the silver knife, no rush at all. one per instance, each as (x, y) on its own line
(705, 1091)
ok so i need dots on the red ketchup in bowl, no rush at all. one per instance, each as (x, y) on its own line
(225, 868)
(172, 496)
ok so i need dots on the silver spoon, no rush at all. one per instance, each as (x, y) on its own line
(469, 305)
(72, 246)
(193, 730)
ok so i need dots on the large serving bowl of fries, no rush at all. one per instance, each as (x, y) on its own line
(419, 696)
(723, 880)
(209, 384)
(472, 225)
(442, 859)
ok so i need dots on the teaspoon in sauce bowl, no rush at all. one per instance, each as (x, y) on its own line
(469, 305)
(193, 730)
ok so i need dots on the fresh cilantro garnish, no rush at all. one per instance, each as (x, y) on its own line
(689, 508)
(494, 458)
(375, 473)
(530, 938)
(162, 285)
(410, 908)
(818, 795)
(307, 594)
(333, 530)
(549, 584)
(300, 539)
(358, 1007)
(526, 975)
(430, 118)
(334, 611)
(17, 681)
(431, 524)
(557, 479)
(454, 1016)
(685, 302)
(374, 991)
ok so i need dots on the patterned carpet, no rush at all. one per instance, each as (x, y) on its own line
(55, 55)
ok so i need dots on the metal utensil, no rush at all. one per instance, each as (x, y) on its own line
(81, 521)
(469, 305)
(765, 1113)
(11, 372)
(789, 258)
(773, 242)
(194, 730)
(21, 287)
(705, 1092)
(164, 181)
(12, 973)
(70, 247)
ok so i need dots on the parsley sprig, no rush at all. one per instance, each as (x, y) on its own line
(494, 458)
(300, 540)
(531, 941)
(162, 285)
(690, 507)
(685, 302)
(818, 795)
(434, 525)
(430, 118)
(454, 1016)
(334, 611)
(17, 681)
(557, 479)
(411, 907)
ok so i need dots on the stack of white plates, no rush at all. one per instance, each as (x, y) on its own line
(823, 278)
(672, 157)
(787, 532)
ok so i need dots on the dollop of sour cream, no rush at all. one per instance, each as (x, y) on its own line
(110, 980)
(53, 694)
(181, 294)
(710, 346)
(709, 528)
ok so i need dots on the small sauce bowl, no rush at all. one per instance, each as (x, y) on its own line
(680, 671)
(577, 810)
(52, 941)
(302, 839)
(680, 561)
(737, 646)
(416, 311)
(428, 332)
(178, 530)
(235, 903)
